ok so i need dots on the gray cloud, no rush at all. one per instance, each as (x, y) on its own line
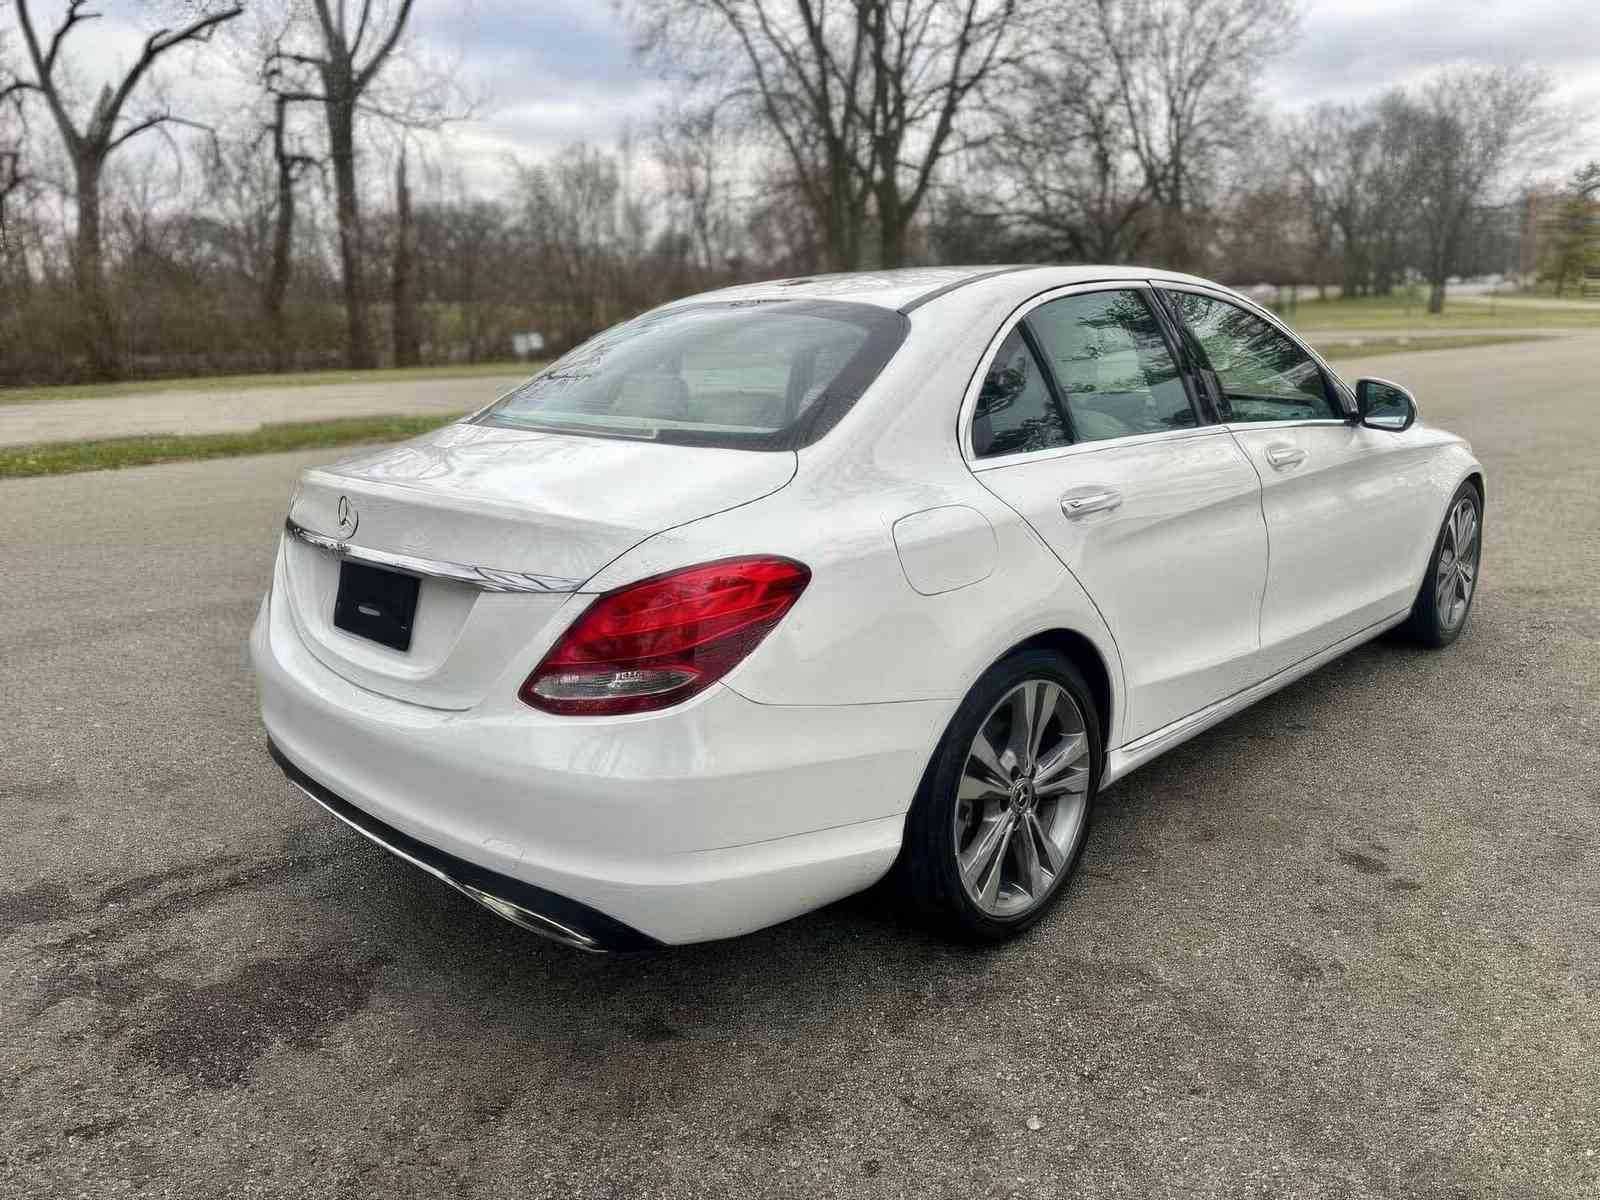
(1349, 49)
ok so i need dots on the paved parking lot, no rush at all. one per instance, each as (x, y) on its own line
(1343, 945)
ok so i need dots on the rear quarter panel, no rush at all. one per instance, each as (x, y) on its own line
(862, 634)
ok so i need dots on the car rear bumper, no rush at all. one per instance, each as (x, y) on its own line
(545, 913)
(706, 821)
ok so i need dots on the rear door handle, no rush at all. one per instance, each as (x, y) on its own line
(1283, 456)
(1080, 502)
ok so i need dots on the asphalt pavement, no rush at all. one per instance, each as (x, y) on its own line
(1345, 945)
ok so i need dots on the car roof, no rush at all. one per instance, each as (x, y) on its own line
(907, 288)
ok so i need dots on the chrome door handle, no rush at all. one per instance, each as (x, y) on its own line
(1282, 456)
(1080, 502)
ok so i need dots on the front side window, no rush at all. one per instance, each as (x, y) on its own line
(1112, 365)
(1016, 412)
(1262, 373)
(761, 376)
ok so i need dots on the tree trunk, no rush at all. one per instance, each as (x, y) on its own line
(407, 340)
(282, 261)
(1436, 295)
(891, 229)
(341, 148)
(1351, 287)
(99, 335)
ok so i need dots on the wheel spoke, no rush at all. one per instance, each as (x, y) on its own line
(1050, 852)
(1074, 783)
(992, 836)
(1062, 759)
(1469, 531)
(1033, 872)
(989, 887)
(990, 769)
(1045, 710)
(976, 788)
(1026, 701)
(1446, 597)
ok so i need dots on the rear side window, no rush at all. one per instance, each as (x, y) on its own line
(1112, 365)
(1263, 374)
(766, 376)
(1016, 412)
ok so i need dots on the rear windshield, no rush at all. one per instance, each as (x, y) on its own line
(772, 375)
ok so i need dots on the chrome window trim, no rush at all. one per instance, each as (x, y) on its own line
(1286, 423)
(1347, 396)
(485, 579)
(1073, 449)
(969, 401)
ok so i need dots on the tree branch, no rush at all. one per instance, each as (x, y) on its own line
(366, 74)
(157, 44)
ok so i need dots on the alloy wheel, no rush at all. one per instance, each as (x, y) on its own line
(1022, 798)
(1458, 564)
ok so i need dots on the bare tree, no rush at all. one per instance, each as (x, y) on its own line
(692, 147)
(344, 50)
(1185, 73)
(1310, 146)
(863, 99)
(288, 166)
(1064, 155)
(1471, 125)
(14, 178)
(91, 141)
(570, 226)
(929, 57)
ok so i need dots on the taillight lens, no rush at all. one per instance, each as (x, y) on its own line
(657, 642)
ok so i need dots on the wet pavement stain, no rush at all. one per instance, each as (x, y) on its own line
(215, 1033)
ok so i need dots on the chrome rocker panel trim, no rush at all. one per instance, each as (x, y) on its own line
(532, 908)
(1136, 753)
(485, 579)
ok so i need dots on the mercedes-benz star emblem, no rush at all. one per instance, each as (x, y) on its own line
(349, 518)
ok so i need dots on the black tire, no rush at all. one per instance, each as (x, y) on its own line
(927, 876)
(1426, 625)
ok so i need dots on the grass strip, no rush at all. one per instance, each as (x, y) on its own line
(1460, 313)
(65, 458)
(242, 383)
(1373, 347)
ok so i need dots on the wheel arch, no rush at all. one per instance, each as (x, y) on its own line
(1083, 654)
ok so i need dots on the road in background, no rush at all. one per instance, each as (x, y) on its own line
(208, 410)
(1341, 946)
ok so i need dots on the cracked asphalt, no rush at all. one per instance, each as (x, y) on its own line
(1344, 945)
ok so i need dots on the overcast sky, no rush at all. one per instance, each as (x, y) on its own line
(560, 70)
(556, 71)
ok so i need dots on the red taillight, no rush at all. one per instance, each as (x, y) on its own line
(658, 642)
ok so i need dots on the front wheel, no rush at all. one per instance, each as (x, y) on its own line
(1003, 810)
(1444, 600)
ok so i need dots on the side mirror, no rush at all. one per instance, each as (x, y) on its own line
(1384, 405)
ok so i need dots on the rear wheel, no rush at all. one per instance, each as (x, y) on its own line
(1003, 810)
(1444, 600)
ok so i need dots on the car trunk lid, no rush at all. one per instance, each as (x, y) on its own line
(500, 526)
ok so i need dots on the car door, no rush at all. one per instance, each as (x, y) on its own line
(1083, 424)
(1335, 497)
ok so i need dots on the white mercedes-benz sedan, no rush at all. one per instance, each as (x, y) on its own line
(770, 593)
